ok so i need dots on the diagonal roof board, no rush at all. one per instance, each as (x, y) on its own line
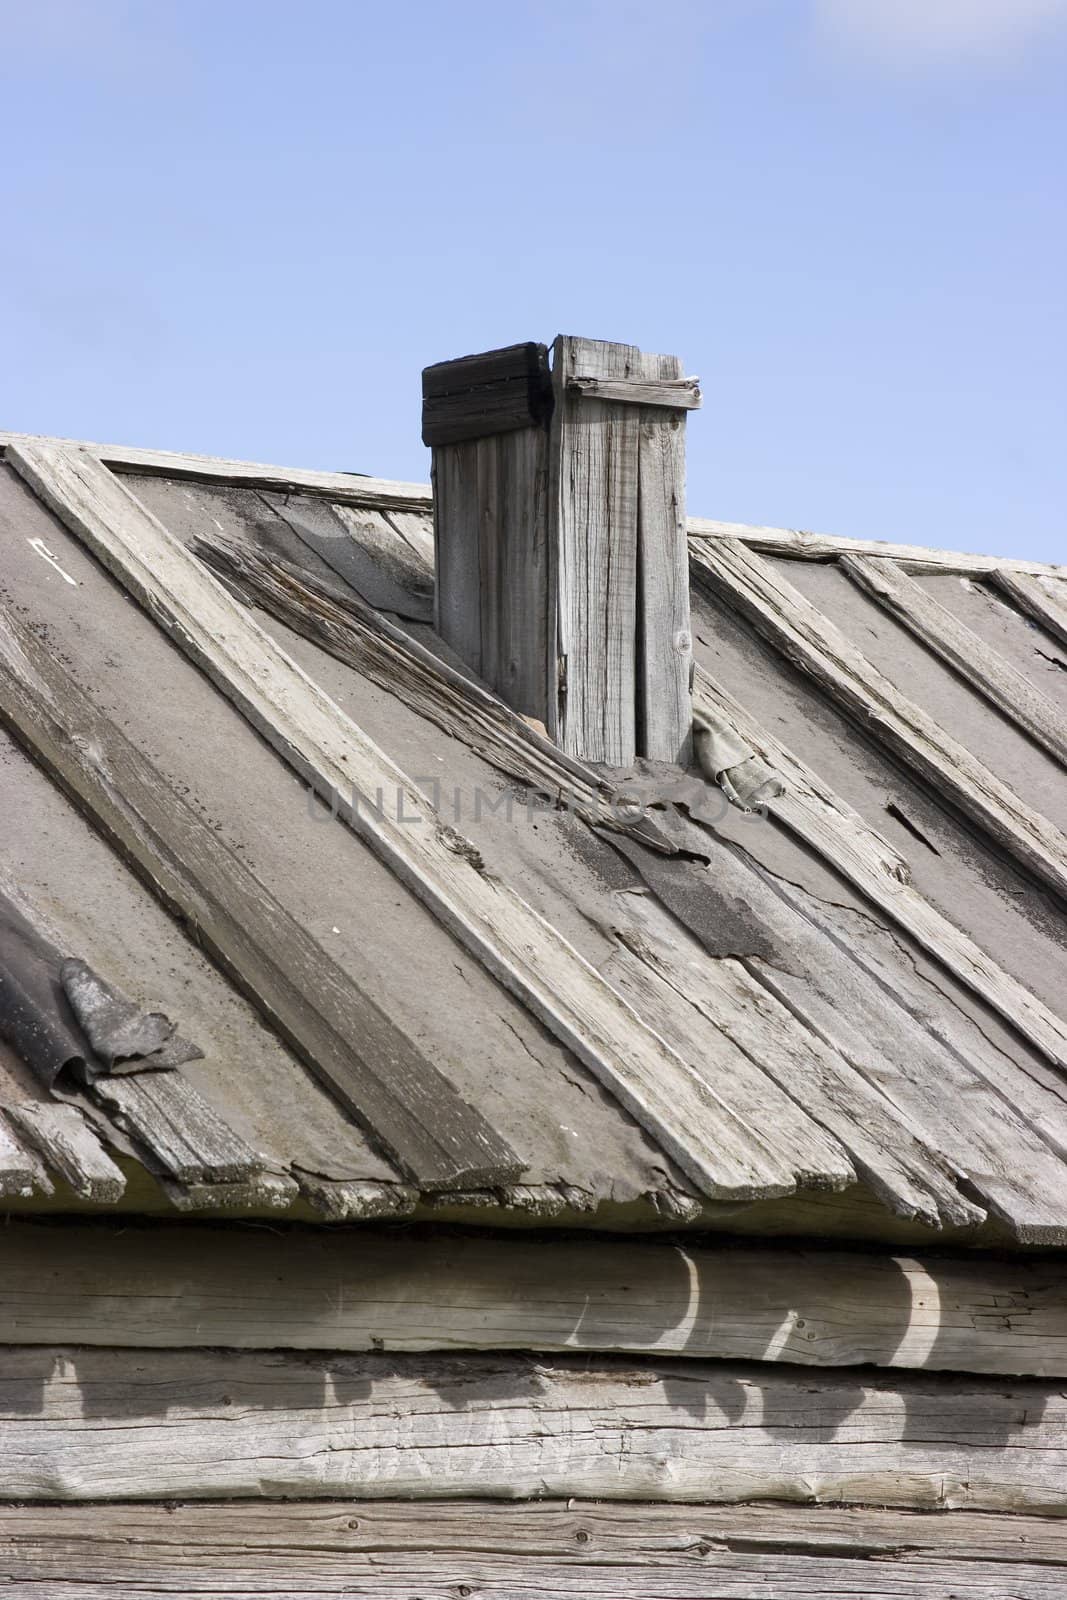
(933, 1098)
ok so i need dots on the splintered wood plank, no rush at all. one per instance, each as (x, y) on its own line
(665, 638)
(793, 542)
(811, 810)
(240, 1288)
(670, 390)
(1043, 602)
(336, 758)
(186, 1134)
(943, 633)
(379, 650)
(70, 1147)
(818, 648)
(896, 1164)
(20, 1171)
(373, 1069)
(593, 535)
(126, 1424)
(369, 1550)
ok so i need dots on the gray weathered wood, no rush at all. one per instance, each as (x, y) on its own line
(186, 1134)
(362, 546)
(1044, 602)
(392, 658)
(127, 1424)
(592, 530)
(943, 633)
(492, 589)
(910, 1177)
(795, 543)
(675, 392)
(814, 644)
(20, 1171)
(366, 1550)
(665, 638)
(353, 488)
(477, 396)
(242, 1288)
(810, 809)
(336, 758)
(576, 1533)
(70, 1147)
(374, 1070)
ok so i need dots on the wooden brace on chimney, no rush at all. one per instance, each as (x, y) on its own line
(559, 522)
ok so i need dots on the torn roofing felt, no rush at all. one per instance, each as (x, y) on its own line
(59, 1015)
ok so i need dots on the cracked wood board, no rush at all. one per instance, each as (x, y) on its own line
(125, 1425)
(367, 1551)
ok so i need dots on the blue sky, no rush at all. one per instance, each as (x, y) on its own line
(243, 228)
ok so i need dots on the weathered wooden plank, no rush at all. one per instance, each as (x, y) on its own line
(1045, 603)
(186, 1134)
(911, 1178)
(362, 546)
(492, 561)
(127, 1424)
(353, 488)
(943, 633)
(198, 1287)
(20, 1171)
(205, 1536)
(357, 1200)
(806, 1153)
(335, 757)
(501, 1552)
(818, 648)
(474, 397)
(815, 814)
(70, 1147)
(793, 542)
(379, 1075)
(726, 1576)
(390, 657)
(592, 531)
(665, 634)
(676, 392)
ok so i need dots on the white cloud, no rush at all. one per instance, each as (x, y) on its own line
(909, 32)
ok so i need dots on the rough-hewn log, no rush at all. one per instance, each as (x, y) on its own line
(242, 1288)
(441, 1551)
(126, 1424)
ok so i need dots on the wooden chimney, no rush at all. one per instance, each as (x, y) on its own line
(559, 522)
